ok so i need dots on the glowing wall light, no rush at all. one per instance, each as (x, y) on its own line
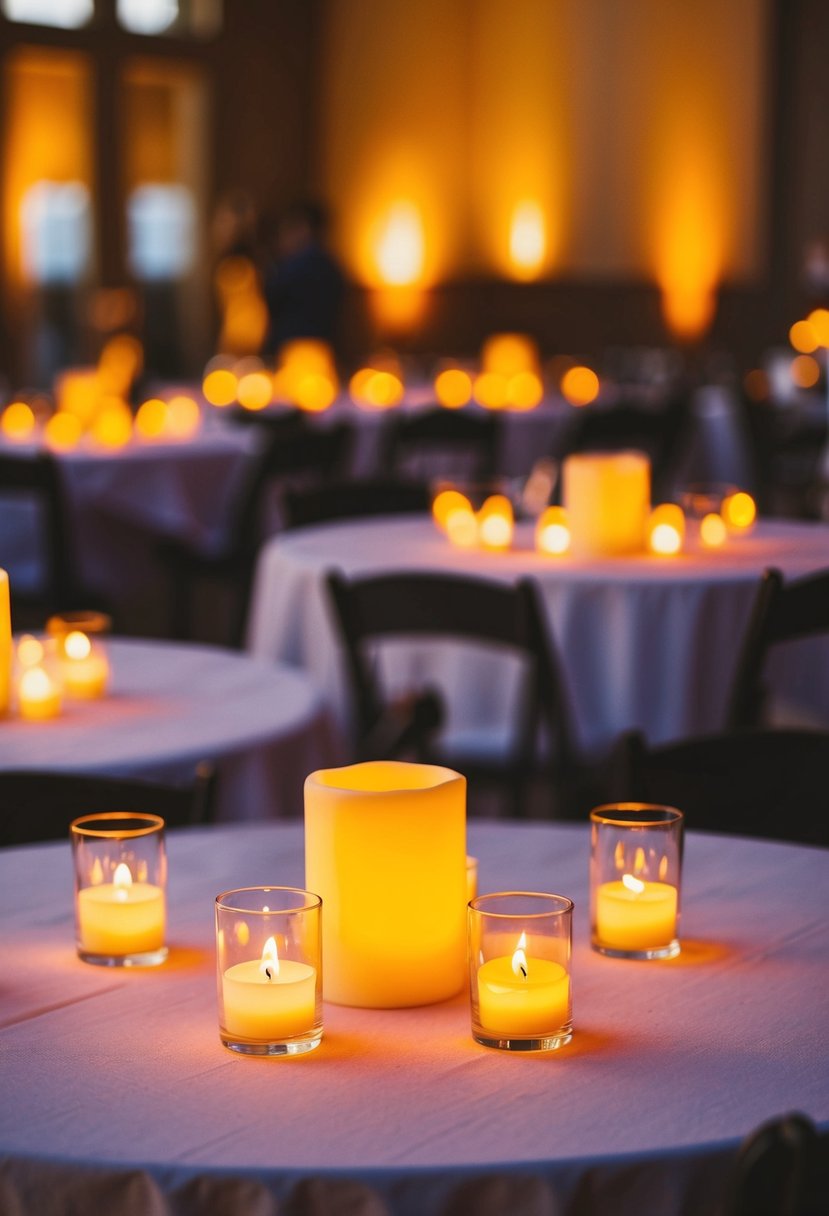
(527, 239)
(400, 249)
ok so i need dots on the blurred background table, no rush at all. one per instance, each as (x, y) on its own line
(399, 1112)
(172, 706)
(645, 642)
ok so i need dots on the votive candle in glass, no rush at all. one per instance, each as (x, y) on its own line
(120, 865)
(520, 947)
(635, 880)
(269, 970)
(81, 652)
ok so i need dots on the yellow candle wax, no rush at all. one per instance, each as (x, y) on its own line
(607, 499)
(5, 642)
(635, 915)
(121, 917)
(385, 849)
(514, 1005)
(266, 1004)
(38, 696)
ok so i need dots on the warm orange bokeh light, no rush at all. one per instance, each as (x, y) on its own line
(400, 246)
(496, 523)
(739, 511)
(219, 387)
(151, 418)
(527, 240)
(509, 354)
(666, 529)
(524, 391)
(119, 363)
(241, 304)
(580, 385)
(314, 392)
(818, 319)
(712, 531)
(462, 528)
(112, 426)
(254, 390)
(18, 420)
(803, 337)
(552, 532)
(183, 417)
(804, 371)
(490, 390)
(453, 388)
(445, 503)
(382, 390)
(63, 430)
(78, 392)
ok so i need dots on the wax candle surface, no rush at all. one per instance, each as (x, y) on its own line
(269, 1009)
(632, 919)
(5, 641)
(117, 920)
(607, 499)
(514, 1006)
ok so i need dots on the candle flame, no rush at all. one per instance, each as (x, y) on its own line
(96, 874)
(633, 884)
(77, 645)
(122, 881)
(35, 684)
(29, 651)
(269, 965)
(519, 959)
(639, 860)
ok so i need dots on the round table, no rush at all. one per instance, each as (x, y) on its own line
(645, 642)
(169, 707)
(118, 1088)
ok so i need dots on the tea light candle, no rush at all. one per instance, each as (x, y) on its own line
(38, 696)
(85, 668)
(666, 529)
(121, 917)
(496, 523)
(635, 915)
(269, 998)
(522, 997)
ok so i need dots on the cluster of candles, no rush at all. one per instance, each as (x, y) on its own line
(514, 947)
(70, 663)
(606, 513)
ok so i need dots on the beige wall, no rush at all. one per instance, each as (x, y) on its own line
(636, 127)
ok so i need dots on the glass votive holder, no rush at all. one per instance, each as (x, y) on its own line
(635, 880)
(520, 945)
(83, 663)
(120, 863)
(471, 877)
(269, 970)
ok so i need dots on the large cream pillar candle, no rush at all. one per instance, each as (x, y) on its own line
(607, 499)
(385, 848)
(5, 642)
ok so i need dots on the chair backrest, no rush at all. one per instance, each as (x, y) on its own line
(419, 604)
(37, 478)
(783, 612)
(352, 500)
(38, 805)
(767, 783)
(437, 442)
(301, 454)
(780, 1168)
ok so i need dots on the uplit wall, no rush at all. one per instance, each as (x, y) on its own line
(537, 141)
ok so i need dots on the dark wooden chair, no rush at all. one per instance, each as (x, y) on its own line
(37, 805)
(440, 443)
(781, 1170)
(300, 453)
(783, 612)
(36, 479)
(354, 500)
(481, 611)
(767, 783)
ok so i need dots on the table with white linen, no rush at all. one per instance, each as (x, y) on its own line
(171, 706)
(646, 642)
(122, 502)
(119, 1097)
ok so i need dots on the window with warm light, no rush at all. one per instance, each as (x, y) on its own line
(63, 14)
(56, 232)
(161, 224)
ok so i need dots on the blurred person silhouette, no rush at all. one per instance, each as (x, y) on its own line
(305, 284)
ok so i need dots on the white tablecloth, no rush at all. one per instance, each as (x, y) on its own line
(122, 502)
(646, 642)
(171, 706)
(118, 1094)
